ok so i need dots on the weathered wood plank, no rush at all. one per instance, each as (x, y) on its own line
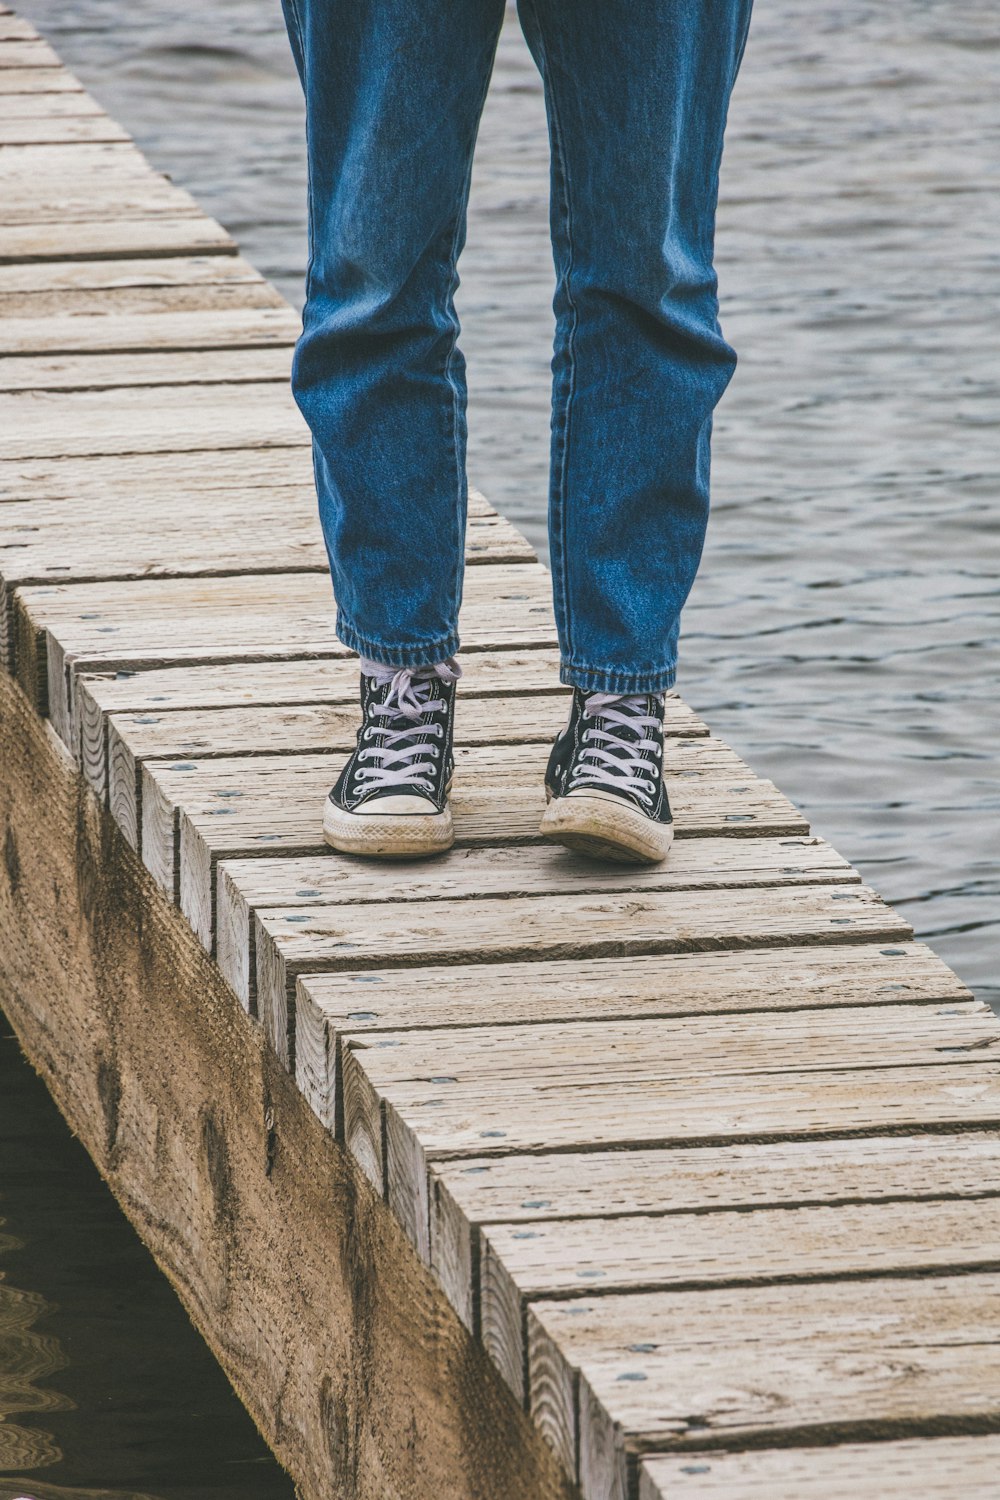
(545, 1190)
(102, 421)
(596, 1257)
(234, 807)
(102, 238)
(572, 925)
(46, 278)
(463, 874)
(25, 48)
(541, 1111)
(77, 372)
(273, 684)
(104, 480)
(392, 1000)
(102, 166)
(127, 741)
(280, 814)
(16, 28)
(33, 130)
(42, 107)
(54, 80)
(64, 629)
(850, 1360)
(940, 1470)
(30, 317)
(27, 414)
(67, 204)
(132, 739)
(256, 532)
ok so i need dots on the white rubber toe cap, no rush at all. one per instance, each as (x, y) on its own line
(401, 806)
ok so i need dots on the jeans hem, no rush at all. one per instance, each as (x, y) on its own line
(614, 680)
(410, 654)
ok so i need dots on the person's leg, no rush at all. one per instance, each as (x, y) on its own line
(394, 92)
(637, 93)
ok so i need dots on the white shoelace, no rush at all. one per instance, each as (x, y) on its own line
(406, 756)
(606, 757)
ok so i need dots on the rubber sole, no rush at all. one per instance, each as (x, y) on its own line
(606, 829)
(414, 836)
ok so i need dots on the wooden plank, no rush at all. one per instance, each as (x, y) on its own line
(100, 165)
(256, 532)
(103, 480)
(88, 276)
(844, 1360)
(30, 315)
(521, 870)
(27, 415)
(132, 739)
(248, 884)
(16, 28)
(941, 1469)
(79, 372)
(54, 203)
(273, 684)
(392, 1000)
(308, 939)
(102, 238)
(584, 1186)
(397, 1126)
(54, 80)
(194, 813)
(25, 49)
(182, 535)
(64, 129)
(114, 758)
(63, 629)
(99, 421)
(597, 1257)
(43, 107)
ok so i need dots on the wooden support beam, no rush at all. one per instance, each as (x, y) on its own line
(299, 1279)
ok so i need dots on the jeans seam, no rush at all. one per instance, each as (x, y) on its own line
(293, 10)
(460, 477)
(560, 487)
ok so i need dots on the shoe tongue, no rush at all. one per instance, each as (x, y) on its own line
(624, 707)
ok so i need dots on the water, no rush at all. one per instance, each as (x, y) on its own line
(843, 633)
(106, 1390)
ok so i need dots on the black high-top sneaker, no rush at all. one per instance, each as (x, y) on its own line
(391, 798)
(604, 782)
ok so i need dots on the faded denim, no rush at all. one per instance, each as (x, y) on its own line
(637, 93)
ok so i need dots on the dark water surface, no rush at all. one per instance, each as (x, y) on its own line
(106, 1390)
(844, 631)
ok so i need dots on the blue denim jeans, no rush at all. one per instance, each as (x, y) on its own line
(637, 93)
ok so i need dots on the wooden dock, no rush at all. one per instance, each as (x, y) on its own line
(507, 1176)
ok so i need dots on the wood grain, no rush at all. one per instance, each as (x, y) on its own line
(470, 873)
(596, 1257)
(100, 237)
(728, 1367)
(299, 1279)
(63, 629)
(938, 1470)
(525, 1192)
(568, 926)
